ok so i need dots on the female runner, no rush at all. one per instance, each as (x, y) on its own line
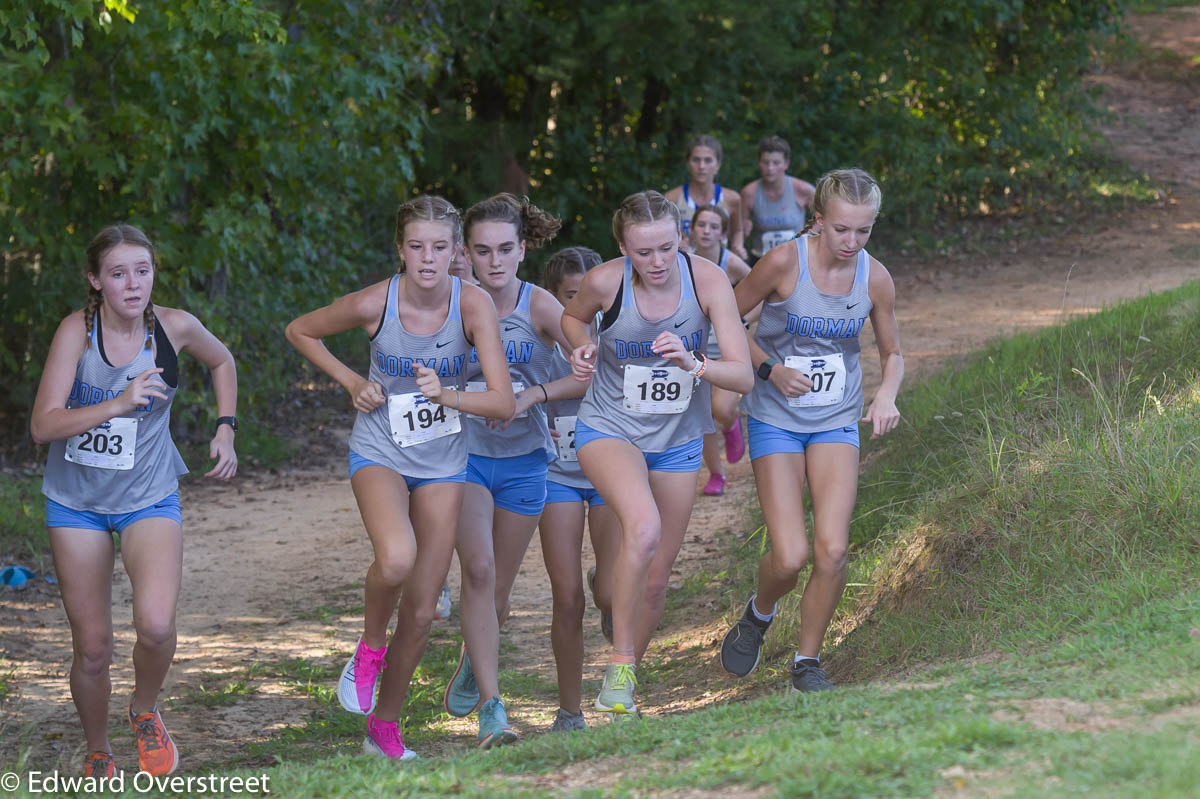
(703, 158)
(506, 471)
(774, 205)
(641, 425)
(710, 224)
(568, 494)
(104, 406)
(818, 292)
(408, 455)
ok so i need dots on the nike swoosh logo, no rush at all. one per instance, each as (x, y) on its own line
(848, 307)
(509, 327)
(440, 344)
(130, 377)
(680, 324)
(693, 457)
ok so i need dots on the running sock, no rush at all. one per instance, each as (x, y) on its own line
(799, 658)
(758, 618)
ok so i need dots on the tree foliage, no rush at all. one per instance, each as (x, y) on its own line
(956, 105)
(262, 146)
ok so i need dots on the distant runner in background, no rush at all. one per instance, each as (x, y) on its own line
(703, 158)
(710, 224)
(776, 203)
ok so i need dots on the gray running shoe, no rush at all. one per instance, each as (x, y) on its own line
(565, 722)
(742, 646)
(616, 694)
(605, 618)
(807, 675)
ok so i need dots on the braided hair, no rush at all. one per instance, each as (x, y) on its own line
(104, 241)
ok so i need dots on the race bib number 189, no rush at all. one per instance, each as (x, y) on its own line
(657, 389)
(107, 446)
(415, 419)
(828, 376)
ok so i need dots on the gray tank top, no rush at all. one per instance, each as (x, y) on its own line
(821, 332)
(395, 355)
(127, 463)
(773, 220)
(623, 342)
(562, 415)
(529, 364)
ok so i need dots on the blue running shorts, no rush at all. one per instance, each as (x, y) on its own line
(517, 484)
(767, 439)
(61, 516)
(683, 458)
(358, 461)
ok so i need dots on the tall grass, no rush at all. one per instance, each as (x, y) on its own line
(1049, 482)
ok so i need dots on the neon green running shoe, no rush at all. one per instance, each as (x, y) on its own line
(616, 695)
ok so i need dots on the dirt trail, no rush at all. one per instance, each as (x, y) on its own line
(274, 562)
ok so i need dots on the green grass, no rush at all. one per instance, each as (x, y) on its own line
(23, 537)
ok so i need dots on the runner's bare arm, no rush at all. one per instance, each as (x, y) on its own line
(597, 291)
(732, 370)
(737, 233)
(747, 194)
(483, 331)
(360, 309)
(51, 420)
(188, 334)
(767, 280)
(882, 413)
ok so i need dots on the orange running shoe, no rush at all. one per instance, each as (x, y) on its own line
(99, 764)
(157, 754)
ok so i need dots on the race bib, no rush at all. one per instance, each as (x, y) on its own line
(107, 446)
(657, 389)
(565, 425)
(828, 376)
(481, 385)
(416, 419)
(773, 238)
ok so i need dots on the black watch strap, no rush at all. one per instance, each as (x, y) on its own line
(229, 420)
(764, 368)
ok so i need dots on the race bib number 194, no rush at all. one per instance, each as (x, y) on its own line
(415, 419)
(657, 389)
(828, 376)
(107, 446)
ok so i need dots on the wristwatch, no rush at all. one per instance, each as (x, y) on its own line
(764, 369)
(229, 420)
(695, 370)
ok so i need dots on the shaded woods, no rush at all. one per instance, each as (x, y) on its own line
(264, 146)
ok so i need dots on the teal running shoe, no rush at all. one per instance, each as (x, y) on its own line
(493, 725)
(462, 694)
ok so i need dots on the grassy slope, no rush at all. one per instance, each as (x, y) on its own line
(1038, 510)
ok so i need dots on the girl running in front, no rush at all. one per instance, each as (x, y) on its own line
(640, 428)
(104, 406)
(710, 224)
(506, 471)
(408, 454)
(568, 493)
(818, 292)
(703, 158)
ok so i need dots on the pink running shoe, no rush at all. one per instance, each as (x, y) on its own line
(356, 688)
(384, 740)
(735, 447)
(715, 486)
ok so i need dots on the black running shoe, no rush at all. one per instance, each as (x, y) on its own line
(807, 675)
(743, 644)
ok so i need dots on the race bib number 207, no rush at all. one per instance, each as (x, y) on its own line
(828, 376)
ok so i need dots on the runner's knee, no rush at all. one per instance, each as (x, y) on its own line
(94, 654)
(830, 558)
